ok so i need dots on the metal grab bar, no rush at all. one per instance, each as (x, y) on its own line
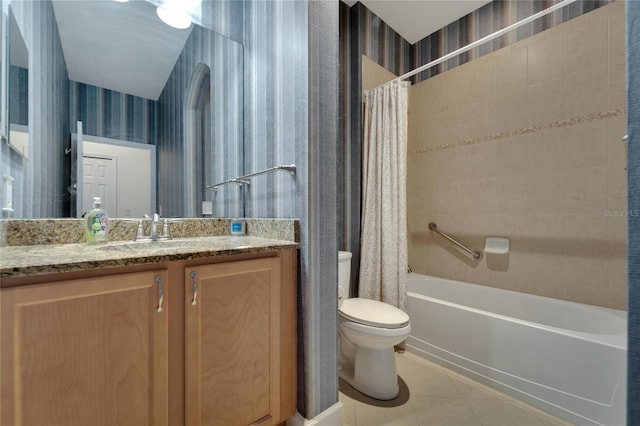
(291, 168)
(475, 253)
(239, 181)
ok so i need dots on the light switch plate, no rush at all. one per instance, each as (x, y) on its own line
(207, 207)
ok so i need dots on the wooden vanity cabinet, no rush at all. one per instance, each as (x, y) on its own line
(239, 366)
(85, 352)
(215, 347)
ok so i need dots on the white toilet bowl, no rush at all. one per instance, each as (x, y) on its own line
(368, 332)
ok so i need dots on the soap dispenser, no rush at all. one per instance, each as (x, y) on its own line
(96, 223)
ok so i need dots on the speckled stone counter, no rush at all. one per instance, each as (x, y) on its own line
(46, 246)
(22, 232)
(17, 261)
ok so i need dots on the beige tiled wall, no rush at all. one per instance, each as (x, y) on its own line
(526, 143)
(373, 75)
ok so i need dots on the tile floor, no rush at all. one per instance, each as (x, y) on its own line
(431, 395)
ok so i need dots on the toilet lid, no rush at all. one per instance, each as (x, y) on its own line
(374, 313)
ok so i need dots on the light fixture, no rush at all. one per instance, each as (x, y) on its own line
(176, 12)
(175, 18)
(121, 1)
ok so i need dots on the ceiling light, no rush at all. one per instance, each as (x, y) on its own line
(173, 17)
(177, 13)
(121, 1)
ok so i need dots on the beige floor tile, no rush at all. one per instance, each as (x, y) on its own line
(367, 415)
(470, 390)
(349, 410)
(496, 412)
(473, 390)
(549, 420)
(414, 361)
(425, 380)
(431, 395)
(432, 411)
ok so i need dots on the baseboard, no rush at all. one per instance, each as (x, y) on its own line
(332, 416)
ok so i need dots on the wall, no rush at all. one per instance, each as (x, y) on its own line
(633, 99)
(526, 143)
(110, 114)
(40, 189)
(374, 75)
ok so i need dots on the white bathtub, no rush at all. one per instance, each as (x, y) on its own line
(564, 357)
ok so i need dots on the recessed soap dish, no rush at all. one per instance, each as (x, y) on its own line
(496, 245)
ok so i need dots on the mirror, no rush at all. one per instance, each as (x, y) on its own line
(128, 78)
(4, 55)
(18, 89)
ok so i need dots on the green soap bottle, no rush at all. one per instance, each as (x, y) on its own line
(96, 223)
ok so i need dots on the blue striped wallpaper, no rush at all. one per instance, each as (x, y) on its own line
(633, 120)
(318, 212)
(225, 17)
(111, 114)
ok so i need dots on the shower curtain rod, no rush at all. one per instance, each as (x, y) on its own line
(478, 42)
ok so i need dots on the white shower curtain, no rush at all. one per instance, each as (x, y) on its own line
(383, 262)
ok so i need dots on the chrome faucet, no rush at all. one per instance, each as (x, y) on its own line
(154, 234)
(154, 227)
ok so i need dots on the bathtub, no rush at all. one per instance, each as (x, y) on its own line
(566, 358)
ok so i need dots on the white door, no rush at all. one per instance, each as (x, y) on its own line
(99, 180)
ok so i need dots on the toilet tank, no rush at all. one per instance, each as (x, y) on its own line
(344, 275)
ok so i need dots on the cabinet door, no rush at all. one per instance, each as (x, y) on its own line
(233, 343)
(85, 352)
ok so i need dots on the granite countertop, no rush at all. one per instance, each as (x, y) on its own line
(18, 261)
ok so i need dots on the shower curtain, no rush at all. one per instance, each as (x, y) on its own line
(383, 257)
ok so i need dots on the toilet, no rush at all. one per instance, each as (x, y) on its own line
(369, 330)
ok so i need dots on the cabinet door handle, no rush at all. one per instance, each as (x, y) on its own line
(261, 420)
(195, 287)
(160, 293)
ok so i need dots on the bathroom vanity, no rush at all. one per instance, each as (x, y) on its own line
(199, 331)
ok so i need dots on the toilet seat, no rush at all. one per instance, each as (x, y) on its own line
(373, 313)
(378, 332)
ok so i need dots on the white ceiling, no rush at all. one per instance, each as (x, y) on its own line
(416, 19)
(119, 46)
(125, 47)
